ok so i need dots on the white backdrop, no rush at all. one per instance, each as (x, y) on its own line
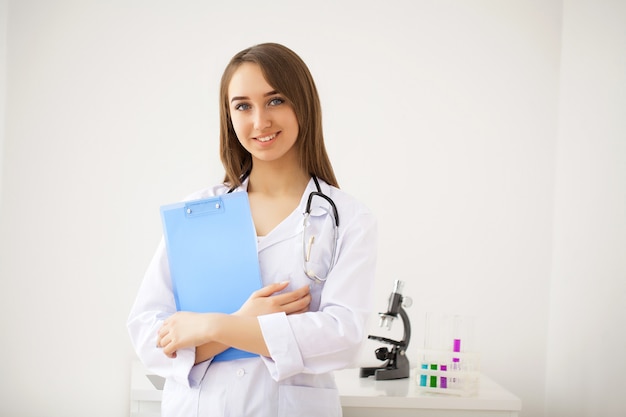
(452, 120)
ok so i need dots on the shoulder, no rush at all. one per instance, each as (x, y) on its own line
(357, 222)
(349, 206)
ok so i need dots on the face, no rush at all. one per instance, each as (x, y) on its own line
(265, 123)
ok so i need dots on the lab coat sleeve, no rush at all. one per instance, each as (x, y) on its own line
(328, 339)
(154, 303)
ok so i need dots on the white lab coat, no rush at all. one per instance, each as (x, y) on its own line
(305, 348)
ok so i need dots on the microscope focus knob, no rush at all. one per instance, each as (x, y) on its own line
(382, 354)
(407, 302)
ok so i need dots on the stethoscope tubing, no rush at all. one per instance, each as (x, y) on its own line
(307, 212)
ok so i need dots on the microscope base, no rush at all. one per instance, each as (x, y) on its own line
(394, 369)
(383, 374)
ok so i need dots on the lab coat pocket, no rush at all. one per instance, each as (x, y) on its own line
(297, 401)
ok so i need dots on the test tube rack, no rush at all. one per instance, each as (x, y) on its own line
(446, 372)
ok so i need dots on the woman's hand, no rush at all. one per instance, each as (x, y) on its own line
(264, 302)
(183, 329)
(186, 329)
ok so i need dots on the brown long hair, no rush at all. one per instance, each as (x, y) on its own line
(287, 73)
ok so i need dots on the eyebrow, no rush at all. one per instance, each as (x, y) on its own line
(236, 98)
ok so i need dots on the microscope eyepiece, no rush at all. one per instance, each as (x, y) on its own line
(398, 286)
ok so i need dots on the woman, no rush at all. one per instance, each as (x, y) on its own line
(310, 317)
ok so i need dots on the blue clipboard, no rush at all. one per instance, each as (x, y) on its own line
(212, 253)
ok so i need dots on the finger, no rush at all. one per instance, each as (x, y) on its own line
(159, 337)
(298, 305)
(291, 296)
(162, 334)
(270, 289)
(169, 347)
(304, 310)
(304, 290)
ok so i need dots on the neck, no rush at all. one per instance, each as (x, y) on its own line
(276, 180)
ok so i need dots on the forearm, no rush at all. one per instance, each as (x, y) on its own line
(241, 332)
(212, 333)
(208, 350)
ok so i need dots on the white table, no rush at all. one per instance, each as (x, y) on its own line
(366, 397)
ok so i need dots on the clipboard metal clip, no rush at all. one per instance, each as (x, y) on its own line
(204, 207)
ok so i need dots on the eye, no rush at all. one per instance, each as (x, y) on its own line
(242, 107)
(276, 101)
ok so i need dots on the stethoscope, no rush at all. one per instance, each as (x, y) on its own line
(308, 238)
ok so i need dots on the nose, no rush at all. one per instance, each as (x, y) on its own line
(262, 120)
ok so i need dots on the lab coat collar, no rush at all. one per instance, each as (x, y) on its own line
(294, 223)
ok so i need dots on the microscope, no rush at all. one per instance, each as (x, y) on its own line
(397, 364)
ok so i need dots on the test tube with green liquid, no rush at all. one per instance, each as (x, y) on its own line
(433, 378)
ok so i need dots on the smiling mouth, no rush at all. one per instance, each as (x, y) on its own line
(267, 138)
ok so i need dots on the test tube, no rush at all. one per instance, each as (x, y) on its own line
(433, 378)
(423, 377)
(456, 366)
(460, 332)
(456, 345)
(444, 380)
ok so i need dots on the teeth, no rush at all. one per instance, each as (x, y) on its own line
(266, 138)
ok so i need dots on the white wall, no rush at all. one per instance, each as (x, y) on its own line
(442, 116)
(586, 369)
(3, 78)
